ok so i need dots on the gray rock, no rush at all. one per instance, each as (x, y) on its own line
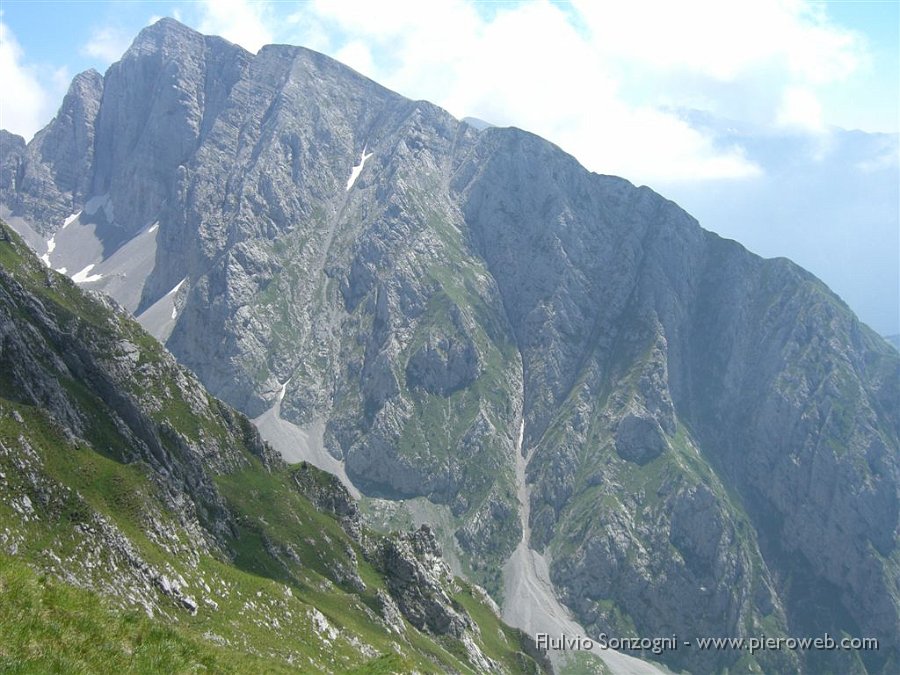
(639, 439)
(696, 417)
(50, 180)
(415, 575)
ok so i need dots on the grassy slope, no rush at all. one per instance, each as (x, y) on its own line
(271, 599)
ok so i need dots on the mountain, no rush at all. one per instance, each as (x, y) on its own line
(586, 395)
(825, 199)
(188, 537)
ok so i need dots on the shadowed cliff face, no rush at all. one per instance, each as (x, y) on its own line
(713, 437)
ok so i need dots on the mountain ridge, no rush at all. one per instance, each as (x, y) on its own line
(677, 391)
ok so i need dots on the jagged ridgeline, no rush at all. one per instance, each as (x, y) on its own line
(712, 439)
(144, 526)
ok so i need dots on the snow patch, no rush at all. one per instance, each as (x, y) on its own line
(71, 218)
(85, 277)
(62, 270)
(283, 391)
(354, 173)
(51, 244)
(175, 289)
(154, 227)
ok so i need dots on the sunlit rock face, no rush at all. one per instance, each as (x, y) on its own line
(713, 437)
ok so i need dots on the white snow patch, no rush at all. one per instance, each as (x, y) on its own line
(84, 276)
(154, 227)
(283, 391)
(173, 291)
(62, 270)
(354, 173)
(71, 218)
(177, 286)
(51, 244)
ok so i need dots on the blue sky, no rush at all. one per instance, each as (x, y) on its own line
(609, 81)
(767, 62)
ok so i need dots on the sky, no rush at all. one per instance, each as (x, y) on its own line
(609, 81)
(602, 79)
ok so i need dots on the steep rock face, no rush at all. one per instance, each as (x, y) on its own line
(12, 150)
(415, 574)
(705, 427)
(243, 162)
(418, 581)
(119, 474)
(803, 434)
(445, 363)
(51, 178)
(652, 354)
(327, 493)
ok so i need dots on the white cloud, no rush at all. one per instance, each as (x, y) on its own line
(25, 105)
(175, 13)
(243, 22)
(800, 109)
(724, 39)
(593, 76)
(887, 160)
(526, 65)
(106, 44)
(356, 55)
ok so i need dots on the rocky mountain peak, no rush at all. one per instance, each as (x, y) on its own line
(53, 175)
(167, 37)
(84, 86)
(472, 319)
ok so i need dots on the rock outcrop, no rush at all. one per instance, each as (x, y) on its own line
(51, 178)
(122, 476)
(705, 427)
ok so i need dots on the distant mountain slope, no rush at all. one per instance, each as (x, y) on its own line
(121, 476)
(825, 199)
(712, 439)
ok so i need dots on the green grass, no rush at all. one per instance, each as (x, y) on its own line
(501, 642)
(47, 626)
(277, 570)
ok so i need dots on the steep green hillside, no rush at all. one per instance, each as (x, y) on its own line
(145, 527)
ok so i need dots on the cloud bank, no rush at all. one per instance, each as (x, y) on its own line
(599, 78)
